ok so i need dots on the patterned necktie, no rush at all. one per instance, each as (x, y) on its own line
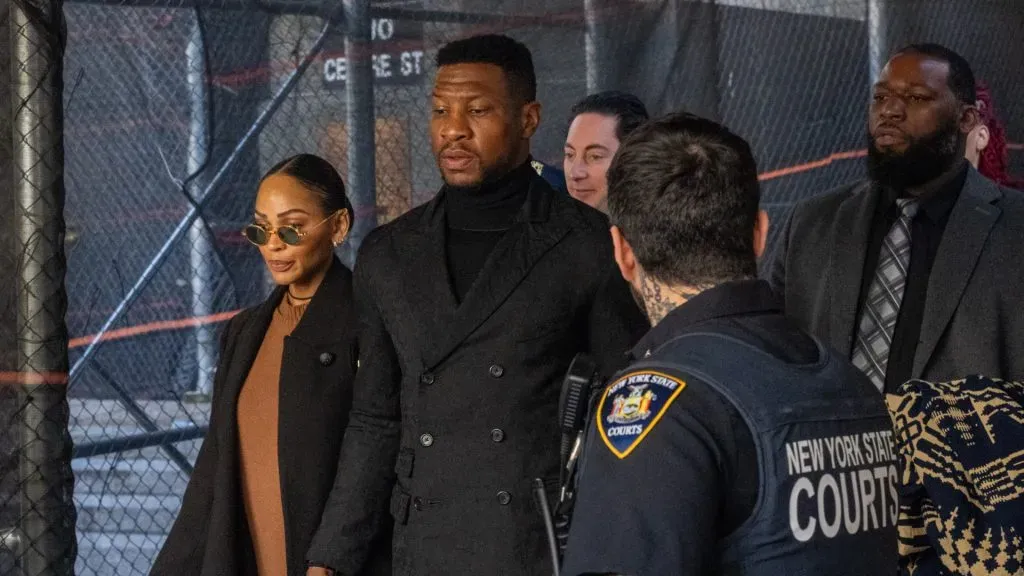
(878, 317)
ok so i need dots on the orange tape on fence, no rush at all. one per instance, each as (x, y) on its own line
(808, 166)
(33, 378)
(162, 326)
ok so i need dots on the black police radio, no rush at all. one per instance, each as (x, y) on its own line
(582, 382)
(579, 390)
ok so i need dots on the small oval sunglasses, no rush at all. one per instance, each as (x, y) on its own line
(290, 234)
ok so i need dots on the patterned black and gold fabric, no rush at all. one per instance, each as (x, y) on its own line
(962, 476)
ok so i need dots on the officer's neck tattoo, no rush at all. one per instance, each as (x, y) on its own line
(659, 299)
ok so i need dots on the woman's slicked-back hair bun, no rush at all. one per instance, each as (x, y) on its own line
(320, 177)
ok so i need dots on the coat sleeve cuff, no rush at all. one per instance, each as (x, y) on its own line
(315, 564)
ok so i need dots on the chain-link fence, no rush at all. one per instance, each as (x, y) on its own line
(172, 109)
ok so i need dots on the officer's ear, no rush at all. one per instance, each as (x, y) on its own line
(624, 256)
(760, 233)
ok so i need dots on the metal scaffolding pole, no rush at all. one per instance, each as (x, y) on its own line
(878, 39)
(201, 256)
(359, 119)
(47, 522)
(590, 19)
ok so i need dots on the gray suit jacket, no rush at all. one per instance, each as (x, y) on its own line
(974, 313)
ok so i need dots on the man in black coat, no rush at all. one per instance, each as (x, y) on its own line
(472, 307)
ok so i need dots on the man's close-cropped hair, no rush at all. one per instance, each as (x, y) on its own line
(511, 56)
(626, 108)
(961, 77)
(684, 192)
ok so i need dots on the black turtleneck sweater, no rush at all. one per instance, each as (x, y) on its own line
(477, 218)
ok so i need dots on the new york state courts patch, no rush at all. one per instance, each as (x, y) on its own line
(632, 405)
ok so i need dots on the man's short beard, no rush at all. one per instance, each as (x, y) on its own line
(924, 159)
(489, 176)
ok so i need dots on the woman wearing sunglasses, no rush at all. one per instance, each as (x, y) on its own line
(282, 392)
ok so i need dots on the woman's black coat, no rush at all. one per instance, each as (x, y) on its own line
(210, 536)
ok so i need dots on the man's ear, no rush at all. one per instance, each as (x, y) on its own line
(760, 233)
(530, 118)
(969, 118)
(624, 256)
(983, 138)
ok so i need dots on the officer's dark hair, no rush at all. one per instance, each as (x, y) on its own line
(320, 177)
(511, 56)
(627, 109)
(961, 78)
(684, 192)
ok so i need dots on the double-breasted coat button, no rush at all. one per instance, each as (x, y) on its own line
(497, 435)
(326, 359)
(426, 378)
(496, 370)
(426, 440)
(504, 498)
(417, 504)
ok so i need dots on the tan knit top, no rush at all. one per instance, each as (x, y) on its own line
(257, 442)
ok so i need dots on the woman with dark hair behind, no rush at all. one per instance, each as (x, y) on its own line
(282, 392)
(987, 148)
